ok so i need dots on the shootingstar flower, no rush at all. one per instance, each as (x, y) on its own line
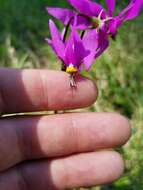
(76, 52)
(101, 18)
(92, 14)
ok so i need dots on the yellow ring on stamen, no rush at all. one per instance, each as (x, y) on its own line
(97, 23)
(71, 69)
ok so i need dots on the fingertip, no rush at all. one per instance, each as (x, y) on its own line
(90, 169)
(67, 97)
(125, 126)
(91, 90)
(116, 165)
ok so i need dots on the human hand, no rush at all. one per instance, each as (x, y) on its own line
(56, 151)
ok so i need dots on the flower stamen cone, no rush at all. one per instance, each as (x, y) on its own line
(98, 22)
(73, 81)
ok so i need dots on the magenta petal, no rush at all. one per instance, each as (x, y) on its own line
(114, 25)
(57, 43)
(82, 22)
(103, 43)
(75, 51)
(86, 7)
(132, 10)
(49, 41)
(69, 51)
(64, 15)
(126, 10)
(104, 46)
(81, 51)
(54, 31)
(135, 10)
(90, 41)
(111, 6)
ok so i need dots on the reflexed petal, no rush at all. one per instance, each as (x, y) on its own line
(104, 46)
(81, 51)
(86, 7)
(57, 43)
(103, 43)
(132, 10)
(135, 10)
(69, 51)
(64, 15)
(90, 41)
(75, 51)
(125, 11)
(111, 6)
(49, 41)
(89, 60)
(82, 22)
(114, 25)
(54, 31)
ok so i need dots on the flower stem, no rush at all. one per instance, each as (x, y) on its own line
(82, 34)
(67, 29)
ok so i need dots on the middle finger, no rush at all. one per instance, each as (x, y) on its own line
(53, 136)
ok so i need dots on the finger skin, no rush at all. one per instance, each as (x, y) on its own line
(60, 135)
(81, 170)
(42, 90)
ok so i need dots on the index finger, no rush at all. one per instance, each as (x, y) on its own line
(40, 90)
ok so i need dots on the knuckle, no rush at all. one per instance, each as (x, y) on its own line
(43, 90)
(74, 133)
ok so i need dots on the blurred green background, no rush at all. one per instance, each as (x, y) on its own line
(119, 72)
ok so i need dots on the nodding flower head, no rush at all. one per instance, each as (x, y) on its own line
(93, 15)
(101, 17)
(75, 51)
(72, 51)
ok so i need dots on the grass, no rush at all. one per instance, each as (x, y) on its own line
(119, 71)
